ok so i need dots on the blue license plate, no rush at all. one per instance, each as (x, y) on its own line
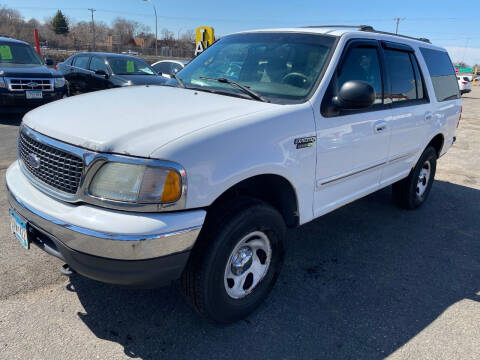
(19, 229)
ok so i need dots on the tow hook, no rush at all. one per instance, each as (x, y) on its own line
(67, 270)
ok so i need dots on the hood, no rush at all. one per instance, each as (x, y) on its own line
(38, 71)
(141, 79)
(136, 120)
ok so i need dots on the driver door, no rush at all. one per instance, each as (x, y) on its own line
(98, 81)
(352, 145)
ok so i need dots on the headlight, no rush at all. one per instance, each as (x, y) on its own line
(3, 84)
(136, 183)
(59, 82)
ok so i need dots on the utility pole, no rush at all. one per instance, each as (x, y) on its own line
(397, 20)
(156, 25)
(93, 29)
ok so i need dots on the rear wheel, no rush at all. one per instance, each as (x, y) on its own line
(236, 262)
(413, 191)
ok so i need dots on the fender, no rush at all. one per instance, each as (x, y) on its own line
(219, 157)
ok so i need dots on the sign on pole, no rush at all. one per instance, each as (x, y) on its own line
(204, 37)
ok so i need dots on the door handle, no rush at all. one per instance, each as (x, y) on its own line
(380, 127)
(428, 116)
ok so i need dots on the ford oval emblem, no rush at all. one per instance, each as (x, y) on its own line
(33, 160)
(32, 84)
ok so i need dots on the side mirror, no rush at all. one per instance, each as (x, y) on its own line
(101, 73)
(355, 94)
(48, 62)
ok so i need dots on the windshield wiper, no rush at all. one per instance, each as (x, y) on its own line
(245, 89)
(180, 82)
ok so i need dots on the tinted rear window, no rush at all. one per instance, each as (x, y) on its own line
(442, 73)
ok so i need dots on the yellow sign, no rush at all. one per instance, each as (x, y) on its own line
(204, 37)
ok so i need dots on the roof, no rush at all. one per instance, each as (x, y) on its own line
(105, 54)
(361, 30)
(8, 39)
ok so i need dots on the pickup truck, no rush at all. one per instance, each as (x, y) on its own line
(199, 180)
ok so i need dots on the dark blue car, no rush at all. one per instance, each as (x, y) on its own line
(93, 71)
(25, 80)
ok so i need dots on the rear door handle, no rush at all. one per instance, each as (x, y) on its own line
(380, 127)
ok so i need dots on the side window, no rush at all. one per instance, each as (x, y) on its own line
(98, 64)
(360, 63)
(442, 74)
(402, 76)
(81, 62)
(163, 67)
(176, 68)
(421, 94)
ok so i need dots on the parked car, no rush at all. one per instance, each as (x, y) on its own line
(25, 80)
(464, 84)
(87, 72)
(168, 68)
(144, 185)
(130, 52)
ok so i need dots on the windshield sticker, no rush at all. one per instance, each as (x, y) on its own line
(130, 66)
(5, 52)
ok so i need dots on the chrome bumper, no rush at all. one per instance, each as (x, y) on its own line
(100, 232)
(121, 247)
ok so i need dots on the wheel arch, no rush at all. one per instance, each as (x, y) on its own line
(437, 143)
(273, 189)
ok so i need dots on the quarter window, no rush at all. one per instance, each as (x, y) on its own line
(442, 74)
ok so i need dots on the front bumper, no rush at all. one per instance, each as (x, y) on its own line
(106, 245)
(17, 102)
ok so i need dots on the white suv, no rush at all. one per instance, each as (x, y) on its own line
(264, 130)
(464, 84)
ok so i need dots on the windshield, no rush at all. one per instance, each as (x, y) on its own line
(16, 53)
(281, 67)
(129, 66)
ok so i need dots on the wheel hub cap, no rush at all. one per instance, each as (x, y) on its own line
(242, 260)
(423, 178)
(247, 264)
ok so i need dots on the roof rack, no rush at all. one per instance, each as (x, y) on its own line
(369, 28)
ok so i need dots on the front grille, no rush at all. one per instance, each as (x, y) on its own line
(22, 84)
(57, 168)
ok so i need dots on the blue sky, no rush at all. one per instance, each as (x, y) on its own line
(447, 23)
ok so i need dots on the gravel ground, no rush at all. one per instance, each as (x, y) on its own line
(367, 281)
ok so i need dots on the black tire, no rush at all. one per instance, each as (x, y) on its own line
(203, 279)
(405, 192)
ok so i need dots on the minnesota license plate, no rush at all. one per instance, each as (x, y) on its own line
(19, 229)
(34, 94)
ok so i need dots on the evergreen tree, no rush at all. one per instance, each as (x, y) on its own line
(60, 24)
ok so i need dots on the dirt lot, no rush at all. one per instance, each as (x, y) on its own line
(364, 282)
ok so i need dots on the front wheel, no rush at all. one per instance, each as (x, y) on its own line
(237, 261)
(413, 191)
